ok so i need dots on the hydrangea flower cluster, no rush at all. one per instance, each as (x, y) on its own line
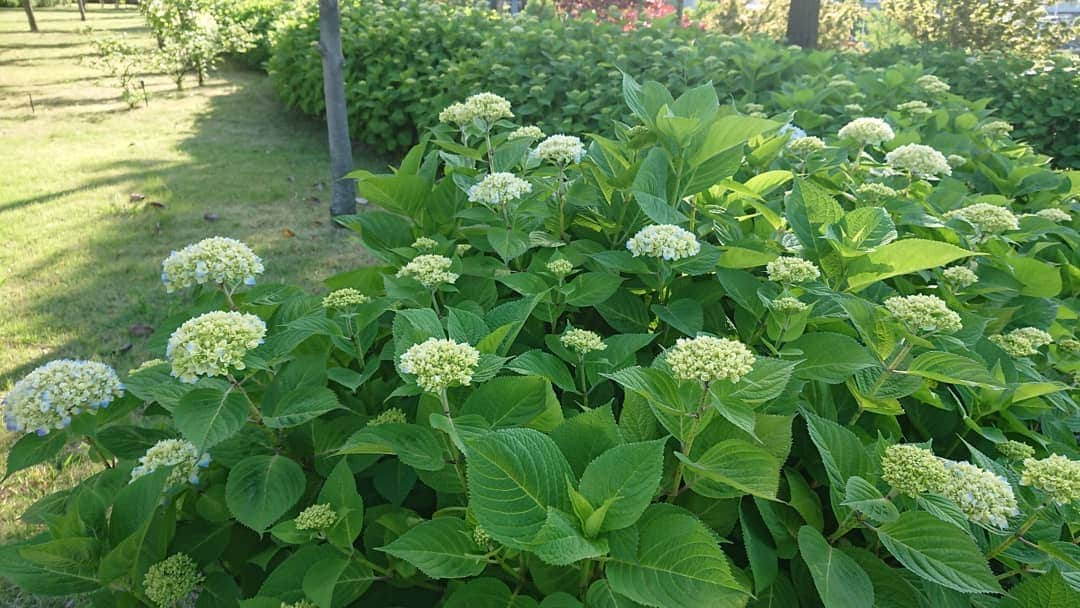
(219, 260)
(915, 108)
(853, 108)
(791, 270)
(875, 190)
(919, 160)
(1022, 342)
(1015, 450)
(805, 146)
(932, 84)
(984, 497)
(344, 298)
(1054, 215)
(430, 269)
(913, 470)
(996, 128)
(560, 150)
(1069, 346)
(173, 582)
(498, 189)
(987, 218)
(213, 343)
(955, 160)
(707, 359)
(1056, 475)
(960, 276)
(316, 517)
(482, 539)
(425, 243)
(753, 108)
(924, 313)
(582, 341)
(180, 454)
(438, 364)
(485, 107)
(665, 241)
(560, 267)
(788, 305)
(867, 131)
(50, 395)
(528, 132)
(391, 416)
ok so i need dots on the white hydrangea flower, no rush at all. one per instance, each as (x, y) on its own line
(425, 243)
(438, 364)
(924, 313)
(49, 396)
(932, 84)
(875, 190)
(1022, 342)
(528, 132)
(178, 453)
(913, 470)
(853, 108)
(344, 298)
(485, 107)
(805, 146)
(996, 128)
(867, 131)
(560, 150)
(788, 305)
(665, 241)
(219, 260)
(498, 189)
(582, 341)
(1056, 475)
(987, 218)
(212, 344)
(919, 160)
(960, 276)
(707, 359)
(455, 114)
(430, 270)
(984, 497)
(1054, 215)
(792, 270)
(915, 108)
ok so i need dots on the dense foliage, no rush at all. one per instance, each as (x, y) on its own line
(404, 62)
(705, 360)
(1016, 26)
(838, 23)
(193, 35)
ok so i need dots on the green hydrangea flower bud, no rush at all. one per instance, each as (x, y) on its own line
(344, 298)
(429, 269)
(1056, 475)
(560, 268)
(1015, 450)
(960, 277)
(707, 359)
(913, 470)
(582, 341)
(924, 314)
(788, 305)
(390, 416)
(425, 243)
(439, 364)
(174, 580)
(791, 270)
(316, 517)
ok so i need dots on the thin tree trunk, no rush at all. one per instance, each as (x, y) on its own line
(82, 9)
(802, 25)
(342, 190)
(29, 8)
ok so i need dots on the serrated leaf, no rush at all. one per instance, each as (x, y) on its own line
(747, 468)
(441, 548)
(938, 552)
(953, 369)
(840, 581)
(260, 489)
(560, 543)
(628, 475)
(862, 496)
(208, 416)
(302, 404)
(415, 445)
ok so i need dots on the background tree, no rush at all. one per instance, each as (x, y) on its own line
(82, 9)
(28, 7)
(343, 190)
(802, 23)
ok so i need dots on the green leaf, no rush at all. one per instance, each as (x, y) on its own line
(59, 567)
(747, 468)
(601, 595)
(128, 441)
(626, 475)
(300, 405)
(840, 582)
(487, 593)
(760, 550)
(336, 582)
(591, 288)
(862, 496)
(685, 315)
(514, 475)
(862, 230)
(545, 365)
(842, 453)
(901, 257)
(208, 416)
(560, 543)
(938, 552)
(671, 559)
(32, 449)
(339, 491)
(586, 436)
(260, 489)
(441, 548)
(830, 357)
(953, 369)
(1050, 589)
(509, 400)
(415, 445)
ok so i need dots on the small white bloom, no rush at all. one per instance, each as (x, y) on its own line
(180, 454)
(919, 160)
(50, 395)
(498, 189)
(707, 359)
(429, 269)
(792, 270)
(219, 260)
(867, 131)
(924, 313)
(438, 364)
(582, 341)
(987, 218)
(212, 344)
(665, 241)
(560, 150)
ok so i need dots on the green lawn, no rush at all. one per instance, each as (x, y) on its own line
(79, 261)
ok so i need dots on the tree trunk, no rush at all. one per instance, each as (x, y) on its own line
(82, 9)
(342, 190)
(29, 8)
(802, 24)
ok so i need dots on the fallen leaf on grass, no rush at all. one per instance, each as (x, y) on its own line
(287, 233)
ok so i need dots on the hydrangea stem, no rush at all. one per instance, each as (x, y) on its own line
(455, 455)
(1024, 527)
(688, 444)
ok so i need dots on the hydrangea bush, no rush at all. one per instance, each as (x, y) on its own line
(682, 368)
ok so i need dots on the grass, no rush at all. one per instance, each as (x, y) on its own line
(79, 260)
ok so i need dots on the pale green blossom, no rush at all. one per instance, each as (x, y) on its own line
(932, 84)
(983, 496)
(874, 190)
(344, 298)
(316, 517)
(665, 241)
(986, 218)
(528, 132)
(1022, 342)
(390, 416)
(1054, 215)
(960, 277)
(791, 270)
(853, 108)
(805, 146)
(956, 161)
(425, 243)
(996, 128)
(919, 160)
(752, 108)
(707, 359)
(915, 108)
(913, 470)
(560, 268)
(49, 396)
(484, 107)
(924, 314)
(1057, 476)
(429, 269)
(582, 341)
(788, 305)
(498, 189)
(438, 364)
(173, 582)
(560, 150)
(217, 260)
(212, 344)
(867, 131)
(180, 454)
(1015, 450)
